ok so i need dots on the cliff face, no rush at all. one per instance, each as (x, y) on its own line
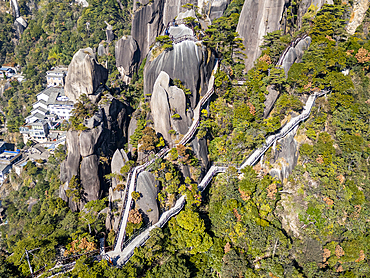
(127, 57)
(85, 75)
(187, 61)
(87, 148)
(147, 24)
(259, 17)
(358, 14)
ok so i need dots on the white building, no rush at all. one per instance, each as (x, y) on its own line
(56, 76)
(37, 131)
(52, 104)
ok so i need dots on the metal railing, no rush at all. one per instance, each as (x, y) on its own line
(131, 184)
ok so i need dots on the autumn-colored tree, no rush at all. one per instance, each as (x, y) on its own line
(149, 141)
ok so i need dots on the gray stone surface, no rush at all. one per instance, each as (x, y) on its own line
(188, 62)
(85, 75)
(294, 55)
(92, 144)
(177, 100)
(270, 100)
(127, 57)
(147, 25)
(217, 8)
(160, 107)
(102, 50)
(180, 31)
(131, 129)
(109, 33)
(259, 17)
(173, 9)
(357, 15)
(89, 174)
(70, 167)
(287, 157)
(88, 140)
(146, 186)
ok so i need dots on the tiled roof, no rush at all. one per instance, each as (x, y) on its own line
(41, 109)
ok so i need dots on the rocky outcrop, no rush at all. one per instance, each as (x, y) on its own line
(168, 107)
(109, 33)
(259, 17)
(188, 61)
(147, 25)
(270, 100)
(87, 148)
(83, 3)
(85, 75)
(147, 203)
(295, 54)
(357, 15)
(217, 8)
(119, 160)
(127, 57)
(285, 157)
(90, 180)
(161, 109)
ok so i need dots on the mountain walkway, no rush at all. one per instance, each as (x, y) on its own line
(119, 256)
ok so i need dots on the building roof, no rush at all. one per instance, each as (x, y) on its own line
(41, 109)
(52, 90)
(37, 115)
(41, 101)
(3, 166)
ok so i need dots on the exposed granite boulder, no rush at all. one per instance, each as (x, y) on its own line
(286, 158)
(147, 187)
(294, 54)
(85, 75)
(127, 57)
(20, 25)
(305, 4)
(88, 140)
(102, 50)
(131, 129)
(160, 106)
(357, 16)
(70, 167)
(259, 17)
(83, 3)
(217, 8)
(147, 25)
(109, 33)
(91, 145)
(177, 101)
(90, 180)
(119, 160)
(188, 61)
(270, 100)
(173, 9)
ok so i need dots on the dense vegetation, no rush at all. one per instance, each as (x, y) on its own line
(313, 224)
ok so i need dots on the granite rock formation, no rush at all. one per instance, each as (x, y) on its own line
(187, 61)
(147, 204)
(127, 57)
(87, 148)
(286, 158)
(119, 160)
(85, 75)
(147, 25)
(357, 16)
(259, 17)
(295, 54)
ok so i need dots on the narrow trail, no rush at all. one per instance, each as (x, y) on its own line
(132, 177)
(119, 256)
